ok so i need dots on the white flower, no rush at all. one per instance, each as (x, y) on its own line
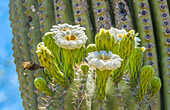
(70, 39)
(137, 40)
(119, 34)
(65, 26)
(103, 60)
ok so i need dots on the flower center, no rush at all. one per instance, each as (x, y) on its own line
(65, 29)
(104, 57)
(121, 35)
(70, 37)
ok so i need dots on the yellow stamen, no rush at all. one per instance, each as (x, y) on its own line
(143, 49)
(65, 29)
(103, 56)
(70, 37)
(121, 35)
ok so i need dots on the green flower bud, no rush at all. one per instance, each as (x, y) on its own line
(85, 68)
(49, 42)
(125, 49)
(42, 85)
(47, 60)
(47, 75)
(147, 73)
(135, 64)
(90, 48)
(104, 40)
(155, 86)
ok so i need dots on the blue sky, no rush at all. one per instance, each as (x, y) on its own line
(10, 96)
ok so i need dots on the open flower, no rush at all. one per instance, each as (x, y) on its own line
(103, 60)
(70, 39)
(65, 26)
(119, 34)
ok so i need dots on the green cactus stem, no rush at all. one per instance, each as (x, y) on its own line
(147, 73)
(46, 15)
(80, 55)
(102, 78)
(135, 64)
(68, 56)
(82, 93)
(63, 11)
(145, 28)
(34, 33)
(122, 15)
(41, 84)
(162, 32)
(18, 56)
(113, 101)
(101, 14)
(168, 1)
(23, 26)
(81, 16)
(126, 92)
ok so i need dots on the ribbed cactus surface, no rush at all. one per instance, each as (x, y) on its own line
(66, 76)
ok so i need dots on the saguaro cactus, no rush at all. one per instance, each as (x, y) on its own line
(61, 60)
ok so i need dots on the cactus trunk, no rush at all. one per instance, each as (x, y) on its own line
(111, 73)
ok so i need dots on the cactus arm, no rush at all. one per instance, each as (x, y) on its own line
(101, 14)
(128, 96)
(46, 15)
(72, 95)
(122, 15)
(113, 102)
(63, 11)
(34, 34)
(18, 56)
(146, 35)
(23, 26)
(145, 28)
(81, 16)
(82, 93)
(162, 32)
